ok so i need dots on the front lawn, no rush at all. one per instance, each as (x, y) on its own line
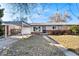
(69, 41)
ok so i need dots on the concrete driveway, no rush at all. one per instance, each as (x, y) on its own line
(36, 45)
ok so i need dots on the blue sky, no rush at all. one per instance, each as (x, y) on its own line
(43, 15)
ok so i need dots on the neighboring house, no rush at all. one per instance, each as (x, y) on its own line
(25, 28)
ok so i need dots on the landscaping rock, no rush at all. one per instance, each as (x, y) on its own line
(33, 46)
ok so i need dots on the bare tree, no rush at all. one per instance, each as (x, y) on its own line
(58, 17)
(24, 11)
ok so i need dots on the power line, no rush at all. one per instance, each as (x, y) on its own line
(77, 6)
(61, 8)
(69, 6)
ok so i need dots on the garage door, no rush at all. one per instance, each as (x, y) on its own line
(26, 30)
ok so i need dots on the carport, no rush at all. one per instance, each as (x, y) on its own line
(17, 26)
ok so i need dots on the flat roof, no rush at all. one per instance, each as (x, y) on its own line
(18, 23)
(41, 24)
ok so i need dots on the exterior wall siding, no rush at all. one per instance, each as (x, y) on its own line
(49, 29)
(57, 27)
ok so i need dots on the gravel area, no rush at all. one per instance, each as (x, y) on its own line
(6, 42)
(34, 46)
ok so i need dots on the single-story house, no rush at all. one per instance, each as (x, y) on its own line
(13, 27)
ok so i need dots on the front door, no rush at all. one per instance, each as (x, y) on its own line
(44, 29)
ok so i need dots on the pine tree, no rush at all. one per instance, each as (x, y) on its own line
(1, 27)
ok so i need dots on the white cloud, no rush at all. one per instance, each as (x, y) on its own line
(36, 16)
(47, 10)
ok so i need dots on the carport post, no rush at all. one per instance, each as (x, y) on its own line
(22, 29)
(5, 31)
(9, 31)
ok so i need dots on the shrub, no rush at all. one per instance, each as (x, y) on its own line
(74, 29)
(1, 32)
(49, 32)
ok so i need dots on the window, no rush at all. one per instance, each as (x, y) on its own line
(37, 28)
(54, 27)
